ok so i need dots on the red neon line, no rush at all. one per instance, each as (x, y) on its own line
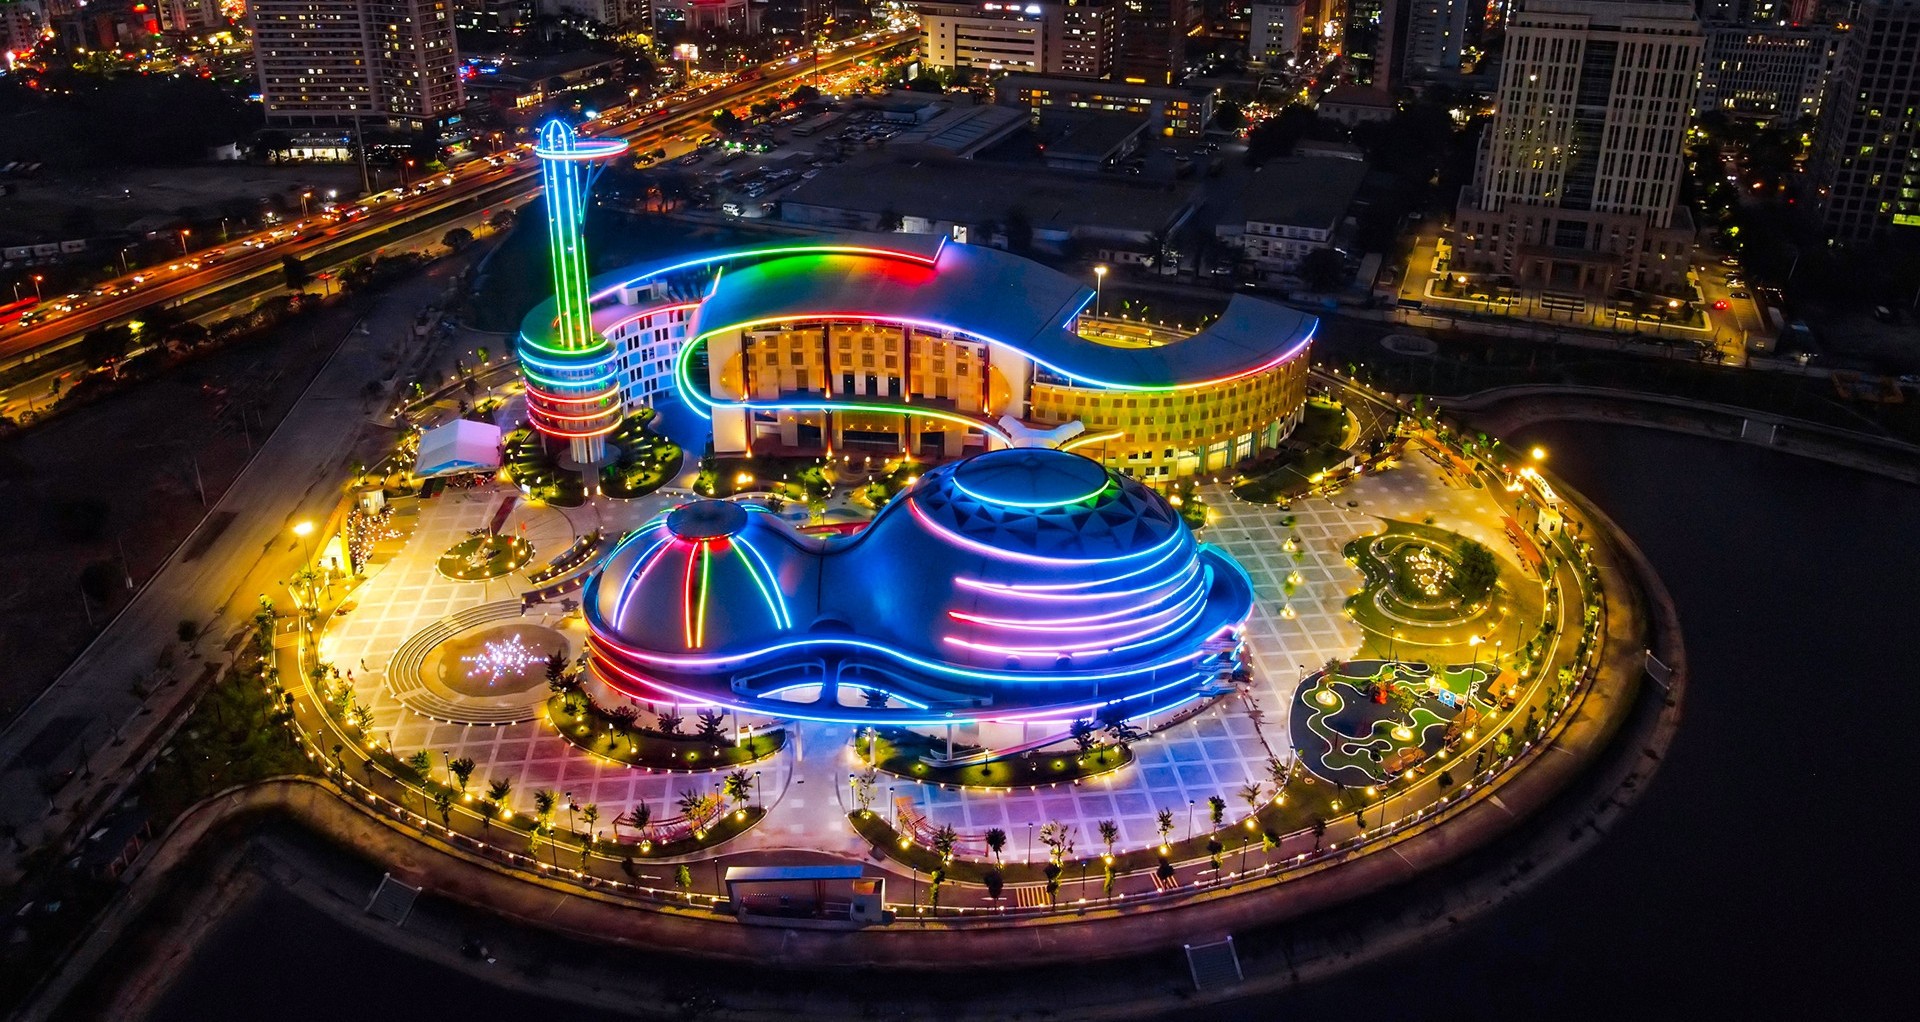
(686, 603)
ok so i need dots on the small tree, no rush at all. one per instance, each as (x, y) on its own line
(709, 728)
(739, 788)
(996, 843)
(443, 801)
(457, 239)
(1250, 794)
(1163, 822)
(943, 841)
(1083, 736)
(1404, 698)
(1216, 810)
(498, 789)
(683, 879)
(669, 722)
(543, 803)
(995, 884)
(421, 763)
(296, 273)
(558, 678)
(1477, 571)
(461, 769)
(1319, 828)
(1109, 833)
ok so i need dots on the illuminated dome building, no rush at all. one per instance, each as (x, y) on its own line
(1024, 584)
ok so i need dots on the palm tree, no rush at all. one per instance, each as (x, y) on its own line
(499, 789)
(543, 803)
(591, 814)
(1109, 833)
(462, 769)
(443, 801)
(637, 818)
(557, 678)
(943, 841)
(1083, 736)
(1250, 794)
(669, 722)
(1163, 822)
(1319, 831)
(739, 788)
(488, 811)
(996, 842)
(710, 729)
(1122, 734)
(422, 764)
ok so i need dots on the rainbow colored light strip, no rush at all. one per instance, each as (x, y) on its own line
(572, 388)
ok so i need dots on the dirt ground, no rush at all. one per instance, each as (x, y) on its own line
(39, 211)
(117, 480)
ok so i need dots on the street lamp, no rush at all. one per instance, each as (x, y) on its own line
(1539, 454)
(37, 278)
(183, 240)
(304, 196)
(303, 529)
(1099, 277)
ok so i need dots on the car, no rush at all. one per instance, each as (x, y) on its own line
(1729, 261)
(1169, 150)
(1739, 294)
(1722, 304)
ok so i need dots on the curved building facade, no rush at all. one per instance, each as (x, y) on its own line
(895, 343)
(1024, 584)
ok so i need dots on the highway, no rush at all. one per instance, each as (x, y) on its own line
(515, 178)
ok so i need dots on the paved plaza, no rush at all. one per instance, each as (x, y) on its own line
(1214, 753)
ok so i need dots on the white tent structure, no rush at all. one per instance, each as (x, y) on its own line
(459, 446)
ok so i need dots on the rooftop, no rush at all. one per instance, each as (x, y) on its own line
(970, 192)
(1310, 191)
(1085, 134)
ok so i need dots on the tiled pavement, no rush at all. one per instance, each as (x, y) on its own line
(1214, 753)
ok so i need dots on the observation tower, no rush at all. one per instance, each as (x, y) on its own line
(573, 390)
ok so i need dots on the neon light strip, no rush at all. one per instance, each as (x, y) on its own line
(686, 600)
(1116, 644)
(779, 598)
(706, 586)
(1091, 438)
(687, 697)
(997, 502)
(635, 574)
(992, 551)
(1135, 612)
(780, 250)
(1022, 678)
(1062, 591)
(867, 317)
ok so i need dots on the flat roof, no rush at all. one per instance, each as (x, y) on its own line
(1357, 95)
(1032, 81)
(751, 873)
(1302, 191)
(1087, 134)
(972, 192)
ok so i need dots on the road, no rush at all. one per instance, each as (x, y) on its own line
(511, 182)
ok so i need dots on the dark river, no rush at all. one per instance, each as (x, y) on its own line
(1761, 876)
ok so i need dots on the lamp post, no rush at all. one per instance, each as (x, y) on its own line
(1099, 278)
(303, 529)
(183, 240)
(37, 296)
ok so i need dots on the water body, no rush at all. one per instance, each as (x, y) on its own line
(1760, 877)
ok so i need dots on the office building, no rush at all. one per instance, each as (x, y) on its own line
(1578, 179)
(1418, 40)
(1171, 111)
(389, 63)
(1773, 74)
(1866, 162)
(1075, 39)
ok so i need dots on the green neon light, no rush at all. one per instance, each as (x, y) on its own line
(706, 572)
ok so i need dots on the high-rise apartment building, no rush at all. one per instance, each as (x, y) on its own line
(1418, 40)
(332, 62)
(1153, 40)
(1075, 38)
(1866, 161)
(1775, 74)
(1360, 40)
(1273, 31)
(1578, 180)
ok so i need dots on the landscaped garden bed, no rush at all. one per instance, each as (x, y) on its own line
(620, 738)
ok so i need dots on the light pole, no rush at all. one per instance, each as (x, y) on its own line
(37, 296)
(304, 196)
(1099, 278)
(183, 240)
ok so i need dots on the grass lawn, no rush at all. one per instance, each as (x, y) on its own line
(502, 555)
(898, 752)
(647, 459)
(538, 474)
(598, 733)
(1322, 427)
